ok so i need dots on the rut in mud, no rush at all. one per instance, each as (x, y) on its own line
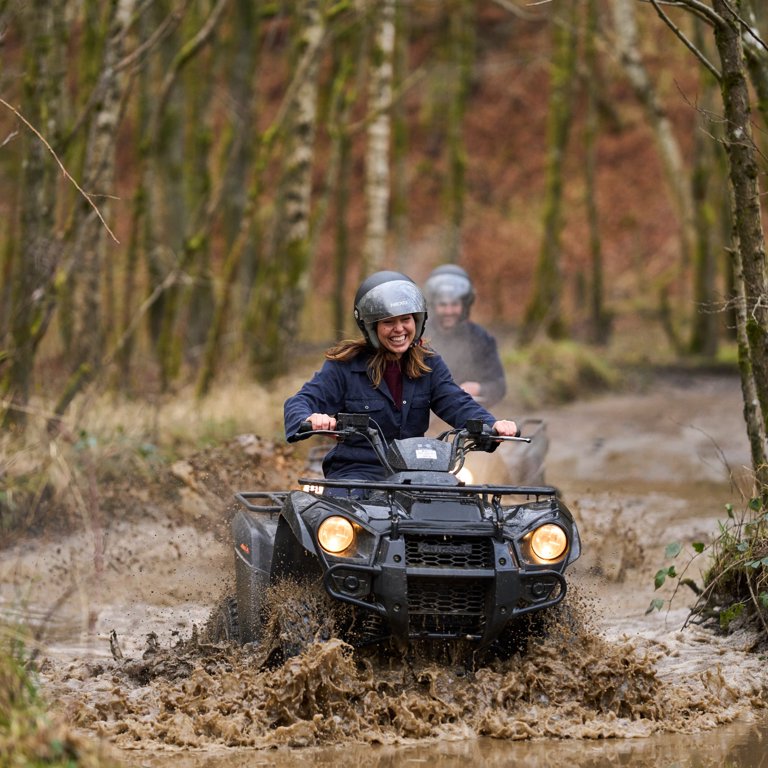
(609, 671)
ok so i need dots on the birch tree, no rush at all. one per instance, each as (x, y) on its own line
(748, 246)
(91, 244)
(278, 296)
(379, 129)
(628, 50)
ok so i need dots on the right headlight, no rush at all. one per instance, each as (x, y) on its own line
(548, 543)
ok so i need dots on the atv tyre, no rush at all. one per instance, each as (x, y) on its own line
(303, 615)
(224, 626)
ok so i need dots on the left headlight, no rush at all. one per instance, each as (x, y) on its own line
(548, 543)
(335, 534)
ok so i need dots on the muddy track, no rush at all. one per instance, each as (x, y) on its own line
(639, 470)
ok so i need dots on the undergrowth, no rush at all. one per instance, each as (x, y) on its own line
(553, 372)
(30, 736)
(732, 592)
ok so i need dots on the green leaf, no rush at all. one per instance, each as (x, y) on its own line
(755, 504)
(729, 510)
(742, 546)
(673, 549)
(763, 598)
(698, 546)
(656, 605)
(660, 578)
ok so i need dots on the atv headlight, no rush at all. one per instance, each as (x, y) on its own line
(465, 476)
(548, 542)
(335, 534)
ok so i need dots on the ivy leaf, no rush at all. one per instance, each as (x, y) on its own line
(755, 504)
(698, 546)
(673, 549)
(657, 604)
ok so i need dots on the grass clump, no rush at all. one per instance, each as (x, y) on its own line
(554, 372)
(733, 593)
(30, 736)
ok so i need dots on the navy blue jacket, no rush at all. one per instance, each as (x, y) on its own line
(346, 387)
(471, 354)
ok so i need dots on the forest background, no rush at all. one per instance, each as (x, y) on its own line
(192, 189)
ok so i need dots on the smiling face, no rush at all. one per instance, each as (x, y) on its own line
(448, 313)
(396, 334)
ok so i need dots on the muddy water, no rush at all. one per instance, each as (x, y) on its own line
(615, 687)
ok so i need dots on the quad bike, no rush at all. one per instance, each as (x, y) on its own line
(418, 556)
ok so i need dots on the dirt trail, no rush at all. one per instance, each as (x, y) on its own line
(639, 470)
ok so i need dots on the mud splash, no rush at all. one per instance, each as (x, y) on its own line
(570, 684)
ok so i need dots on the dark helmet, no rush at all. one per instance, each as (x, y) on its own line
(388, 294)
(449, 282)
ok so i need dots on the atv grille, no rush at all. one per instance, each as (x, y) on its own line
(448, 552)
(438, 596)
(438, 605)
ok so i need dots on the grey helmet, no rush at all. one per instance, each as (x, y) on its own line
(450, 282)
(388, 294)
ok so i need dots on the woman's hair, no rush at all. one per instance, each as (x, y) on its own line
(413, 362)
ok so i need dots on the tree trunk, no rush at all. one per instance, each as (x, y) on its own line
(278, 299)
(377, 155)
(39, 252)
(749, 239)
(544, 311)
(91, 242)
(599, 320)
(705, 320)
(400, 203)
(628, 46)
(757, 58)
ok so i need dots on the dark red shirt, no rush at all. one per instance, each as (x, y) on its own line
(394, 378)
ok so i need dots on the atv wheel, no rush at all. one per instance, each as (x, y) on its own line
(300, 614)
(224, 624)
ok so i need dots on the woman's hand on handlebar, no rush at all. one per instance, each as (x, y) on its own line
(322, 421)
(506, 428)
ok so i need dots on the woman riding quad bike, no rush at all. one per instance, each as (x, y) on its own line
(401, 547)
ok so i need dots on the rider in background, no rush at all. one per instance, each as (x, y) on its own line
(388, 374)
(469, 351)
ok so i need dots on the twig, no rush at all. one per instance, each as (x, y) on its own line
(686, 42)
(61, 165)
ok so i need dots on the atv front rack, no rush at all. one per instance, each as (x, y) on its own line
(248, 499)
(407, 487)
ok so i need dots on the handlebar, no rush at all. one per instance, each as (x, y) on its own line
(358, 423)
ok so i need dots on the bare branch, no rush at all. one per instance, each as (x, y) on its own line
(748, 29)
(688, 44)
(10, 137)
(169, 23)
(61, 165)
(704, 12)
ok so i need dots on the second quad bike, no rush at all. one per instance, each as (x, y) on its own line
(420, 556)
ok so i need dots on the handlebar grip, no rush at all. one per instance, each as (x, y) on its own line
(304, 427)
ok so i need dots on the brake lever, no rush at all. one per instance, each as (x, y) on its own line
(305, 430)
